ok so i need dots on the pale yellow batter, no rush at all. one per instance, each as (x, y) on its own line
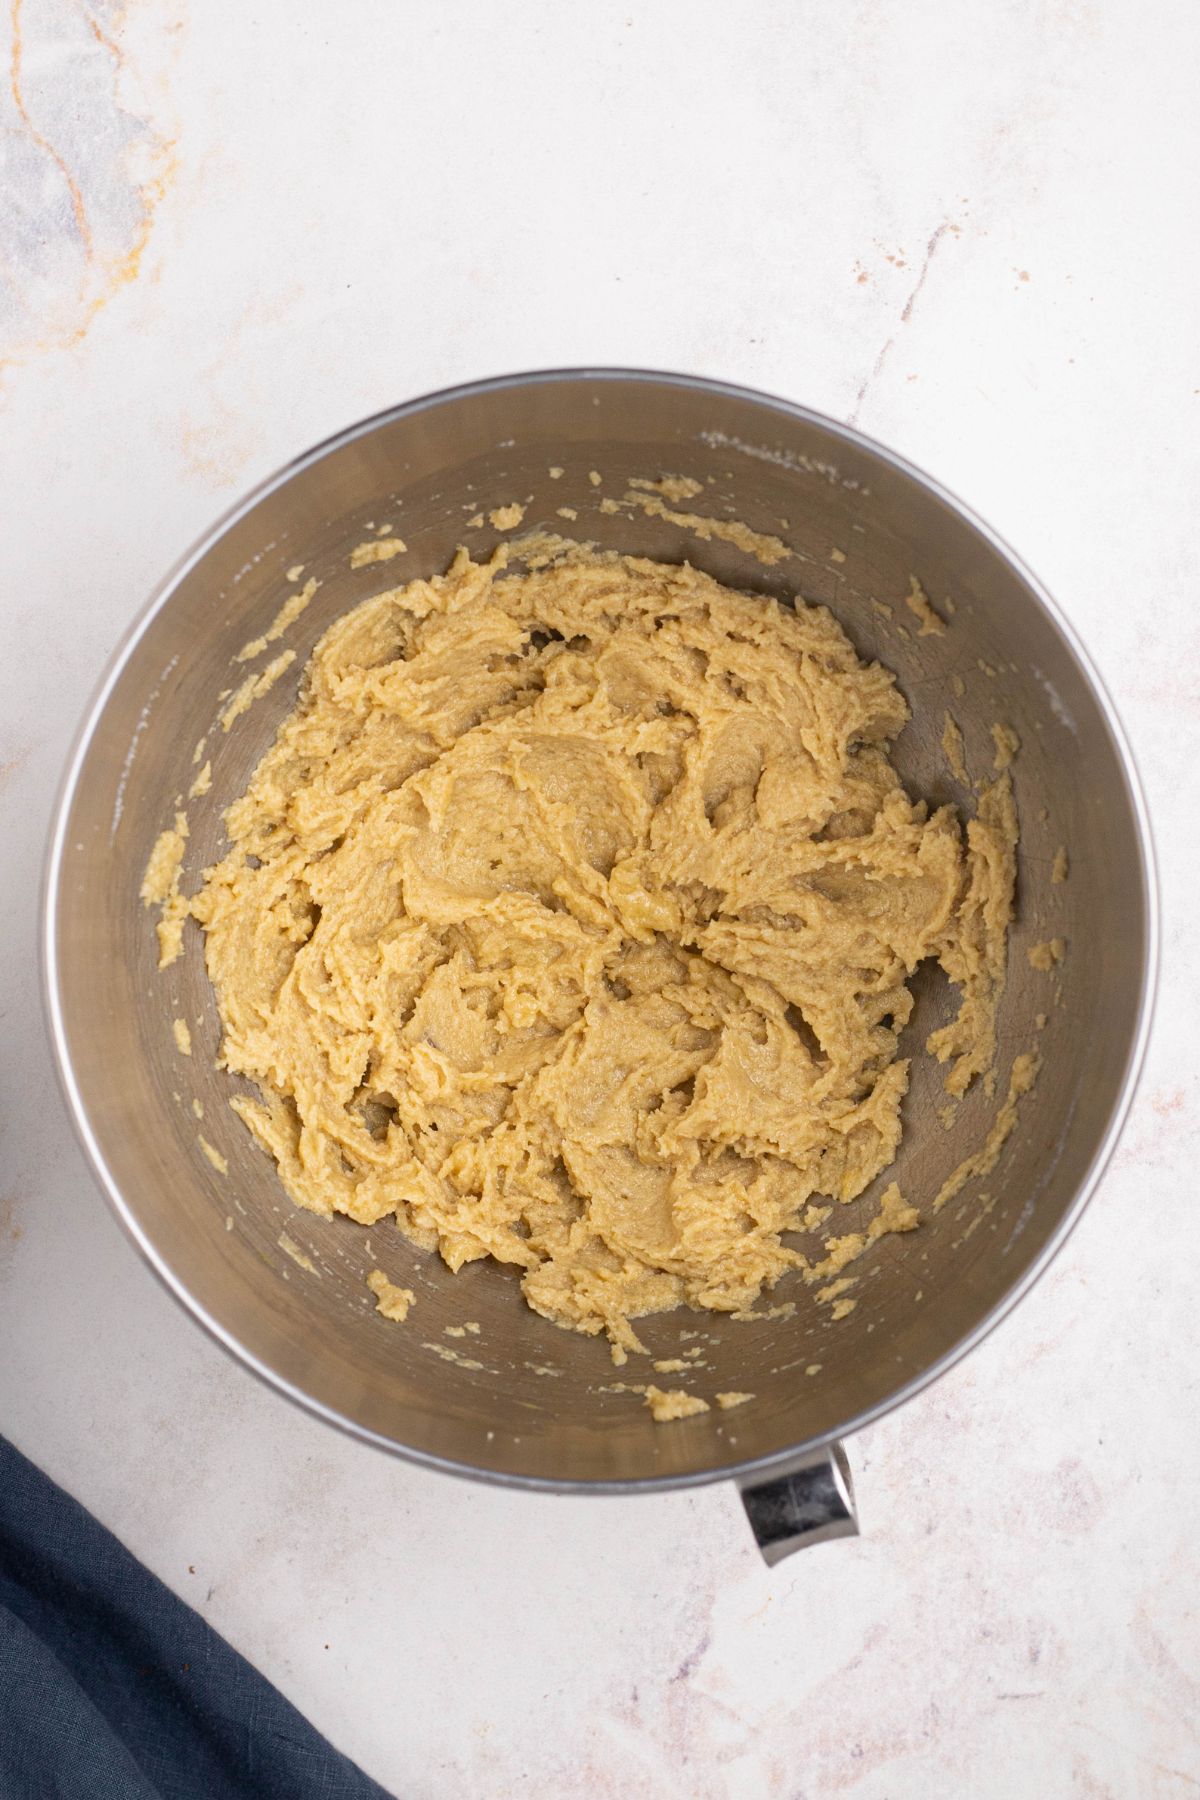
(569, 920)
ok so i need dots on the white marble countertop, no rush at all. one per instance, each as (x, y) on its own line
(227, 230)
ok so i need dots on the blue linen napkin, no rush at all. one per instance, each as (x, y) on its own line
(112, 1689)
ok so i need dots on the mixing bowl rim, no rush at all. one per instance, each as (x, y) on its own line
(51, 974)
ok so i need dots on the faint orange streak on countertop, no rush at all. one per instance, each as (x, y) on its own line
(16, 57)
(12, 767)
(112, 272)
(98, 32)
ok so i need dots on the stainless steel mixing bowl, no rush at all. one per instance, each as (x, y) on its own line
(524, 1402)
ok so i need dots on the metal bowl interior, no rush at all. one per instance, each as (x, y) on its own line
(524, 1401)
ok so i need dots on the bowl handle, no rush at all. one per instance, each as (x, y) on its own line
(813, 1502)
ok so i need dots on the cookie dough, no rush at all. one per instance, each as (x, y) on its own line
(379, 551)
(570, 919)
(392, 1301)
(674, 1403)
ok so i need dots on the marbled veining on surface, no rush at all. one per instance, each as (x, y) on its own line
(84, 166)
(226, 231)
